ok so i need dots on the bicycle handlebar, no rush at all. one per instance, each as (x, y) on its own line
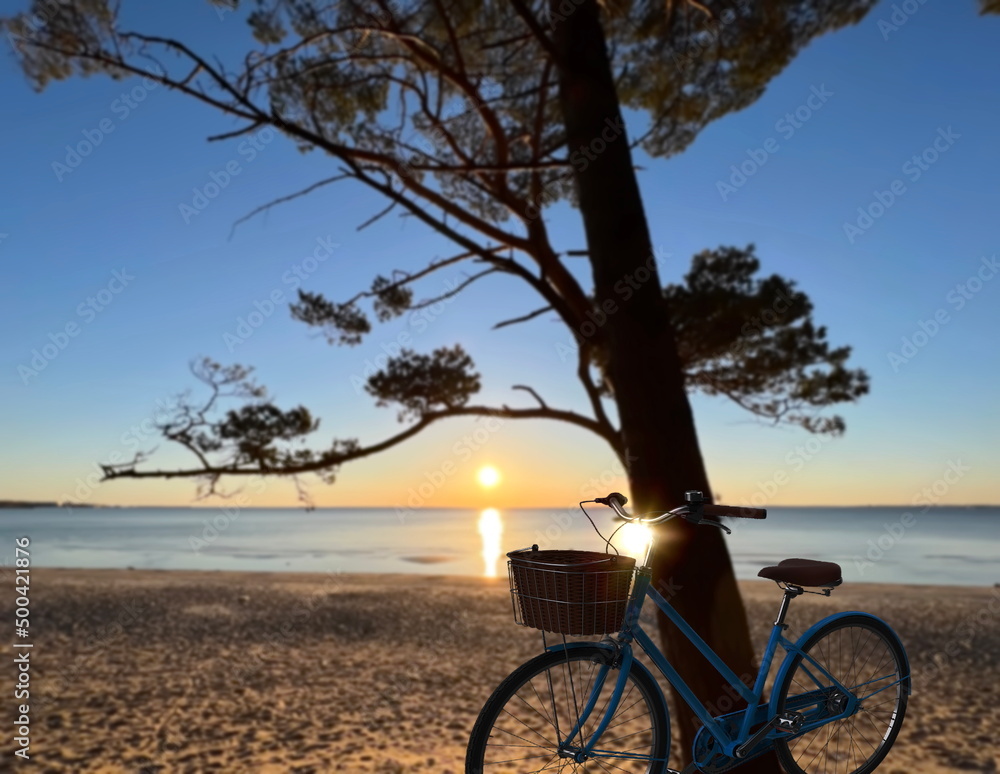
(695, 511)
(734, 510)
(615, 500)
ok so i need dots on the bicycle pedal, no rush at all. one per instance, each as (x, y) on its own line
(790, 722)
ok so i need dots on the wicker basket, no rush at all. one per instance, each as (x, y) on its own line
(570, 592)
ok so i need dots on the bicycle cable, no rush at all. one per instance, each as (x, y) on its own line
(607, 541)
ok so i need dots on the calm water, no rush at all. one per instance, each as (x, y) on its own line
(943, 545)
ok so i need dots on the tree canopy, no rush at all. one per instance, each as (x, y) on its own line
(448, 110)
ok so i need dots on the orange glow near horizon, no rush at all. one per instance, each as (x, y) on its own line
(521, 471)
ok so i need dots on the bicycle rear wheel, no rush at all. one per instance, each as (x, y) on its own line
(864, 655)
(533, 710)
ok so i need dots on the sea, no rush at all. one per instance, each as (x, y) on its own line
(940, 545)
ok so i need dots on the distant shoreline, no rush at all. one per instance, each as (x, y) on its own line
(12, 504)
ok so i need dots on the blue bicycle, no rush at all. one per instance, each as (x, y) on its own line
(836, 706)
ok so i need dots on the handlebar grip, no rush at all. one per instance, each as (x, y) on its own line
(734, 510)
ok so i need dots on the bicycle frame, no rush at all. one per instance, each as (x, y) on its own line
(755, 712)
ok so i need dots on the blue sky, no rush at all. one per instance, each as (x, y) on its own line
(168, 285)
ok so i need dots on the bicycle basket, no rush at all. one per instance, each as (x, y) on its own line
(569, 592)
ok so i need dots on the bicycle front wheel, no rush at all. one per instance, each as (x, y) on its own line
(864, 655)
(525, 723)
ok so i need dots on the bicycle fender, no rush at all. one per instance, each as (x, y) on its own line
(636, 665)
(786, 664)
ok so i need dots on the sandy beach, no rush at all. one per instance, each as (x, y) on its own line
(156, 671)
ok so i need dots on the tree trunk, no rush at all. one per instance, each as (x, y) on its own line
(692, 566)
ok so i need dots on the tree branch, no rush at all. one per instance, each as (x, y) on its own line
(455, 290)
(377, 216)
(523, 318)
(331, 460)
(289, 197)
(532, 392)
(236, 133)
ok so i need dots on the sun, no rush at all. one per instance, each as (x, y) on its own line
(488, 476)
(633, 539)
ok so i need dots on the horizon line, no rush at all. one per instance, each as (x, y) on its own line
(29, 504)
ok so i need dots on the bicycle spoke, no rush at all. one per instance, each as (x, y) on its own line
(530, 728)
(861, 755)
(853, 747)
(558, 761)
(505, 746)
(857, 665)
(587, 690)
(823, 748)
(528, 741)
(534, 690)
(840, 651)
(873, 746)
(635, 703)
(526, 758)
(576, 705)
(836, 751)
(552, 696)
(878, 704)
(612, 765)
(857, 674)
(878, 667)
(533, 709)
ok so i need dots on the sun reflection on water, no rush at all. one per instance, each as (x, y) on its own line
(491, 528)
